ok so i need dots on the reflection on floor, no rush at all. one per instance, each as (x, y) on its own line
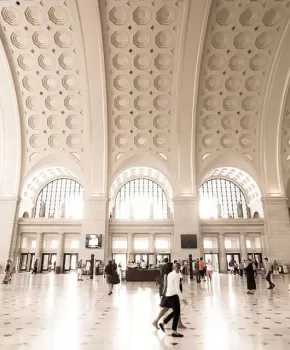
(56, 312)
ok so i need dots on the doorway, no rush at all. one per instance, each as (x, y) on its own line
(48, 260)
(233, 257)
(139, 257)
(256, 257)
(214, 259)
(160, 258)
(26, 261)
(121, 260)
(70, 262)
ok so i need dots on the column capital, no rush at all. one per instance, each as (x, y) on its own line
(96, 200)
(9, 200)
(274, 200)
(185, 200)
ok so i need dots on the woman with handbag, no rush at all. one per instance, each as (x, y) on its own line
(112, 276)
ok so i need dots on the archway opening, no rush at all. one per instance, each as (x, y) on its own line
(229, 192)
(141, 193)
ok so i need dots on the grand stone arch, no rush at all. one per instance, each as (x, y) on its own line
(10, 155)
(277, 225)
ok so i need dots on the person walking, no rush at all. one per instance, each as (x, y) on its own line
(196, 267)
(172, 299)
(164, 270)
(251, 283)
(80, 270)
(8, 268)
(109, 272)
(201, 268)
(269, 271)
(209, 270)
(164, 310)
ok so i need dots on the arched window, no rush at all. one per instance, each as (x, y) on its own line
(60, 198)
(141, 199)
(221, 198)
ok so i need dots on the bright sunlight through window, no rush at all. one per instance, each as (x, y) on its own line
(60, 198)
(141, 199)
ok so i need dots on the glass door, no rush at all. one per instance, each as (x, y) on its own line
(214, 259)
(53, 261)
(24, 261)
(32, 259)
(121, 260)
(140, 257)
(232, 258)
(160, 258)
(74, 261)
(45, 262)
(70, 262)
(66, 262)
(256, 258)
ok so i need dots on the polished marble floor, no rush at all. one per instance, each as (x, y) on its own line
(56, 312)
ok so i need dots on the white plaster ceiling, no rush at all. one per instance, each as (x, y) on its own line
(142, 48)
(240, 45)
(43, 46)
(140, 41)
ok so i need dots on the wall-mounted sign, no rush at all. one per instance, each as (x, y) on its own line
(93, 241)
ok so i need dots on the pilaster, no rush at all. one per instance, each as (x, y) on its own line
(152, 250)
(95, 222)
(243, 246)
(276, 238)
(186, 221)
(38, 251)
(222, 254)
(7, 218)
(130, 246)
(60, 251)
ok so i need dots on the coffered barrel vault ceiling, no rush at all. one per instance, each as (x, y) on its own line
(240, 45)
(42, 43)
(142, 54)
(140, 39)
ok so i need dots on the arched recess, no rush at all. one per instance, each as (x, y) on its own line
(47, 169)
(243, 180)
(140, 172)
(140, 161)
(230, 160)
(272, 119)
(10, 132)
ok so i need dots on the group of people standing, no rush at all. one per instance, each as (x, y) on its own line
(250, 270)
(203, 270)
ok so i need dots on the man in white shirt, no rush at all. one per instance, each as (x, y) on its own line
(143, 265)
(269, 271)
(172, 299)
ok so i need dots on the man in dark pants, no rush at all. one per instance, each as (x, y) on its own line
(269, 271)
(172, 299)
